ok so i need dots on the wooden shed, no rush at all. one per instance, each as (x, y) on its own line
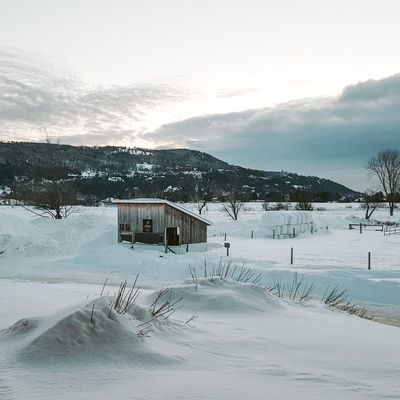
(158, 221)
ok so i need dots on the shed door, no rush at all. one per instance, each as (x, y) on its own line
(172, 236)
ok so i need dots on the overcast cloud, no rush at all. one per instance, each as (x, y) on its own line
(320, 136)
(36, 97)
(326, 136)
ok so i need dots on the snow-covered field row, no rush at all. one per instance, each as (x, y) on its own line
(83, 249)
(243, 344)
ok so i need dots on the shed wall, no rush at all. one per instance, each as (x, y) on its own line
(134, 214)
(191, 230)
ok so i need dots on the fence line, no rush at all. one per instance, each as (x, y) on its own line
(331, 257)
(373, 260)
(391, 230)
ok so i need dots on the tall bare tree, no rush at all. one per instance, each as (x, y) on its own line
(202, 198)
(371, 202)
(232, 207)
(386, 167)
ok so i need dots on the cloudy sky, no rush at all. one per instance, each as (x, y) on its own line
(308, 86)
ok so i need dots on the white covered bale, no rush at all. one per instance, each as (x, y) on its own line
(283, 223)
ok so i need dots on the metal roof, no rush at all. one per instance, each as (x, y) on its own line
(163, 201)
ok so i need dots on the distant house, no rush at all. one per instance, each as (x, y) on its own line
(108, 202)
(158, 221)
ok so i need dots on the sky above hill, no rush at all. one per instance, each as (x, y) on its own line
(306, 86)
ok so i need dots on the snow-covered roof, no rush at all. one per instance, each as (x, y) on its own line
(163, 201)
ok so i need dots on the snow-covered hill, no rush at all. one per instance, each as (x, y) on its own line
(127, 172)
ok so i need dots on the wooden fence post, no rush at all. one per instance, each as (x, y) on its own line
(369, 260)
(291, 256)
(360, 227)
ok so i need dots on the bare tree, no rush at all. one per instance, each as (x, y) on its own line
(304, 200)
(386, 167)
(201, 199)
(51, 193)
(232, 206)
(371, 202)
(201, 204)
(52, 199)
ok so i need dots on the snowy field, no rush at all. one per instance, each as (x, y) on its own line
(58, 339)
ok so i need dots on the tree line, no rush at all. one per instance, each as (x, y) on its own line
(55, 195)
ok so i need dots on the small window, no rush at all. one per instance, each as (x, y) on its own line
(121, 227)
(124, 227)
(148, 225)
(128, 227)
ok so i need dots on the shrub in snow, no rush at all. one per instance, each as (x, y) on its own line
(296, 290)
(225, 270)
(126, 298)
(338, 299)
(163, 305)
(299, 290)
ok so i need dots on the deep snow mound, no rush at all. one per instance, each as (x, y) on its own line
(218, 295)
(20, 236)
(95, 332)
(23, 234)
(75, 334)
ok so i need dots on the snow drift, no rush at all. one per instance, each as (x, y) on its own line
(75, 334)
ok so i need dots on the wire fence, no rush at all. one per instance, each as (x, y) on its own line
(297, 256)
(326, 257)
(355, 259)
(391, 230)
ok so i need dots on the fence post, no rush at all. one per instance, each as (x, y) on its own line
(369, 260)
(273, 234)
(312, 228)
(291, 256)
(225, 237)
(360, 227)
(294, 232)
(252, 234)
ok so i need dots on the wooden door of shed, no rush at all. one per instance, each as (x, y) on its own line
(172, 236)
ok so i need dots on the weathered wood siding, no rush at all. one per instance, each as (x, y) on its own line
(134, 214)
(191, 230)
